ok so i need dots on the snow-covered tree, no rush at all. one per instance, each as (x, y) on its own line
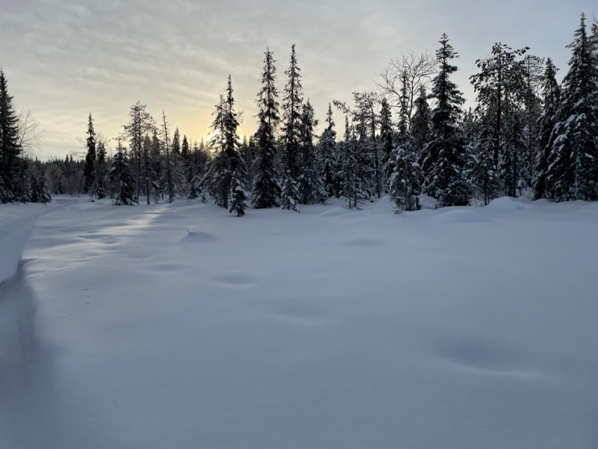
(101, 171)
(310, 186)
(10, 150)
(328, 153)
(445, 158)
(291, 139)
(546, 124)
(89, 172)
(265, 185)
(573, 162)
(122, 179)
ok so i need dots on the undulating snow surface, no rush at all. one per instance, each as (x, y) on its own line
(182, 326)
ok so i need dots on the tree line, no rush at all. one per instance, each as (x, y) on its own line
(527, 133)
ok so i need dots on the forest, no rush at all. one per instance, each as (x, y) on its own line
(528, 134)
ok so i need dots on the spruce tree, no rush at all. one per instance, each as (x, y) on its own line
(420, 122)
(573, 162)
(89, 172)
(311, 189)
(387, 138)
(101, 170)
(236, 164)
(265, 185)
(501, 93)
(122, 179)
(291, 146)
(10, 149)
(445, 158)
(546, 123)
(329, 160)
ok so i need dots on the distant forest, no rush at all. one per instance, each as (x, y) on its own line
(528, 134)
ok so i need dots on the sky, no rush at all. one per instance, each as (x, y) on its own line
(65, 59)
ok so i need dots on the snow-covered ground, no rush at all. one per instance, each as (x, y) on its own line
(182, 326)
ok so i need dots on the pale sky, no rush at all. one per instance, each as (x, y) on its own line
(64, 59)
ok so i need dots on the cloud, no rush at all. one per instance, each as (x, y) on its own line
(65, 58)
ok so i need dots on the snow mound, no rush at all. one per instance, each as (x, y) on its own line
(333, 212)
(505, 204)
(428, 202)
(199, 237)
(459, 216)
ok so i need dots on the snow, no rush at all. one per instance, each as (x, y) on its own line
(183, 326)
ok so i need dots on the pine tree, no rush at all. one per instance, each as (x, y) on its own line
(546, 123)
(445, 158)
(265, 185)
(10, 150)
(121, 177)
(292, 108)
(329, 160)
(573, 162)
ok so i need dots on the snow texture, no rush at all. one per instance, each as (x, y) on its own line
(181, 326)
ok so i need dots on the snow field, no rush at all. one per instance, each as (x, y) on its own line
(182, 326)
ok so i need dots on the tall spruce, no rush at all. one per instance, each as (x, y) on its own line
(101, 171)
(387, 137)
(168, 160)
(420, 123)
(573, 162)
(546, 123)
(10, 150)
(310, 186)
(236, 164)
(329, 157)
(501, 90)
(445, 159)
(265, 185)
(291, 139)
(121, 178)
(89, 172)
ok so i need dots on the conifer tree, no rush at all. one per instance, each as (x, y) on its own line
(292, 109)
(501, 93)
(10, 150)
(420, 123)
(140, 123)
(236, 164)
(386, 139)
(89, 172)
(546, 124)
(122, 179)
(101, 170)
(227, 172)
(573, 162)
(265, 186)
(311, 189)
(445, 158)
(328, 154)
(168, 160)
